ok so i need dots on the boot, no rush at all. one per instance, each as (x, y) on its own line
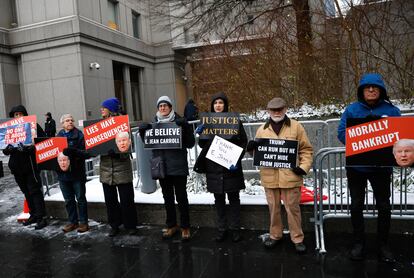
(41, 224)
(30, 221)
(83, 228)
(69, 227)
(169, 232)
(114, 231)
(385, 255)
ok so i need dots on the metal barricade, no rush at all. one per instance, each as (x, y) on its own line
(330, 180)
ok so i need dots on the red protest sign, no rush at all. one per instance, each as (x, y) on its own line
(50, 148)
(377, 134)
(16, 121)
(97, 133)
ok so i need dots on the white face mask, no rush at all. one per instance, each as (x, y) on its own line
(277, 119)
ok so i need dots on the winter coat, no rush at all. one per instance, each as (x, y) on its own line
(77, 160)
(361, 109)
(50, 127)
(115, 169)
(22, 163)
(219, 178)
(285, 178)
(176, 159)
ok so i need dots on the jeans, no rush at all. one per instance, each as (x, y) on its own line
(179, 185)
(74, 195)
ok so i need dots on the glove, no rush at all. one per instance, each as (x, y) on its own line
(144, 126)
(69, 151)
(20, 147)
(298, 171)
(181, 121)
(251, 145)
(233, 168)
(200, 129)
(9, 150)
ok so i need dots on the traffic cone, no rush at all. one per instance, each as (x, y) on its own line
(25, 214)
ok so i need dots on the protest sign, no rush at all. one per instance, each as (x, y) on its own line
(225, 125)
(15, 134)
(369, 142)
(163, 136)
(276, 153)
(104, 135)
(8, 122)
(47, 150)
(224, 152)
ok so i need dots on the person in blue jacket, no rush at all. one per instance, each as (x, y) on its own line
(373, 102)
(72, 181)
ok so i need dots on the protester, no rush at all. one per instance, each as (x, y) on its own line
(116, 177)
(403, 151)
(373, 102)
(72, 176)
(50, 125)
(23, 166)
(176, 167)
(284, 184)
(222, 181)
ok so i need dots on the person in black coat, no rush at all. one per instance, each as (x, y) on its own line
(50, 125)
(222, 181)
(176, 170)
(22, 164)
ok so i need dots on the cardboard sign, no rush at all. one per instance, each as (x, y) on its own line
(107, 134)
(225, 125)
(8, 122)
(369, 142)
(276, 153)
(163, 136)
(224, 152)
(47, 151)
(15, 134)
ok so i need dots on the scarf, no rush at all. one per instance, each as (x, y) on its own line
(165, 119)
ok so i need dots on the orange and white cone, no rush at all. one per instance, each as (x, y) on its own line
(25, 214)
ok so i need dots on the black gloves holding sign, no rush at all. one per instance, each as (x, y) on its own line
(142, 128)
(251, 146)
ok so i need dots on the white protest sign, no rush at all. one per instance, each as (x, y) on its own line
(224, 152)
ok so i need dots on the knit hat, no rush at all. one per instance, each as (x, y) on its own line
(112, 104)
(164, 99)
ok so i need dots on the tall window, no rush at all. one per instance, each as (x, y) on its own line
(136, 24)
(112, 14)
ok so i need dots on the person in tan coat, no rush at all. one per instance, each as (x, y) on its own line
(284, 184)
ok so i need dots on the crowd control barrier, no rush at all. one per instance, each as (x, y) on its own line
(330, 180)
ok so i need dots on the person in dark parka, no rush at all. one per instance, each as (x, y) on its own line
(23, 166)
(50, 125)
(222, 181)
(175, 182)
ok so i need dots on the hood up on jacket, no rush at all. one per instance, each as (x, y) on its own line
(222, 96)
(18, 108)
(372, 79)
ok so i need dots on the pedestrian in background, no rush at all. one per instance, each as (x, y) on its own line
(22, 164)
(284, 184)
(50, 125)
(222, 181)
(372, 103)
(116, 178)
(175, 182)
(72, 181)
